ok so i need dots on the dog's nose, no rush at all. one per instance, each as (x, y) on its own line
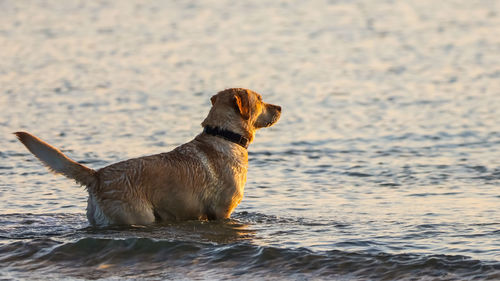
(278, 108)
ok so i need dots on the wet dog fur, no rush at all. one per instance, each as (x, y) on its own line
(202, 179)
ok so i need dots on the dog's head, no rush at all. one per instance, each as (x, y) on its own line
(241, 111)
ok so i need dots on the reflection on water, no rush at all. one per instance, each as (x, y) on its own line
(225, 231)
(384, 165)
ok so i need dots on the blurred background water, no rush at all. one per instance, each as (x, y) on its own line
(384, 165)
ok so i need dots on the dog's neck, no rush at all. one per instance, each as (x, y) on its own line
(227, 135)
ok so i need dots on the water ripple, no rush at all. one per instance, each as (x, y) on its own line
(107, 257)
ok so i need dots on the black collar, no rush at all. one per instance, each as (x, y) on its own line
(227, 135)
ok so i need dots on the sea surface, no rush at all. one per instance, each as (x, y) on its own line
(385, 164)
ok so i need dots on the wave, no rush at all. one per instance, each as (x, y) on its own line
(147, 258)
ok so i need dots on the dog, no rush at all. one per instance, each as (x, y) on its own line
(203, 179)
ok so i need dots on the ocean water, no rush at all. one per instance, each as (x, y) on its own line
(385, 164)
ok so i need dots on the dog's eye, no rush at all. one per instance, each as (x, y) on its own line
(260, 98)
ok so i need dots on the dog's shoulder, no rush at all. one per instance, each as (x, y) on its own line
(221, 151)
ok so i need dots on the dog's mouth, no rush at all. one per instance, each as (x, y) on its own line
(269, 124)
(275, 119)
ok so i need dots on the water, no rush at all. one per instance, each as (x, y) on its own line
(384, 165)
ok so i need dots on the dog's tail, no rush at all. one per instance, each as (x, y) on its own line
(56, 161)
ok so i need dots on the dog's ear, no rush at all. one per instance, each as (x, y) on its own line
(213, 99)
(242, 105)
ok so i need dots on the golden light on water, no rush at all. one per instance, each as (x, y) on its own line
(385, 158)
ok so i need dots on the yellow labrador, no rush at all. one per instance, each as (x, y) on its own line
(201, 179)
